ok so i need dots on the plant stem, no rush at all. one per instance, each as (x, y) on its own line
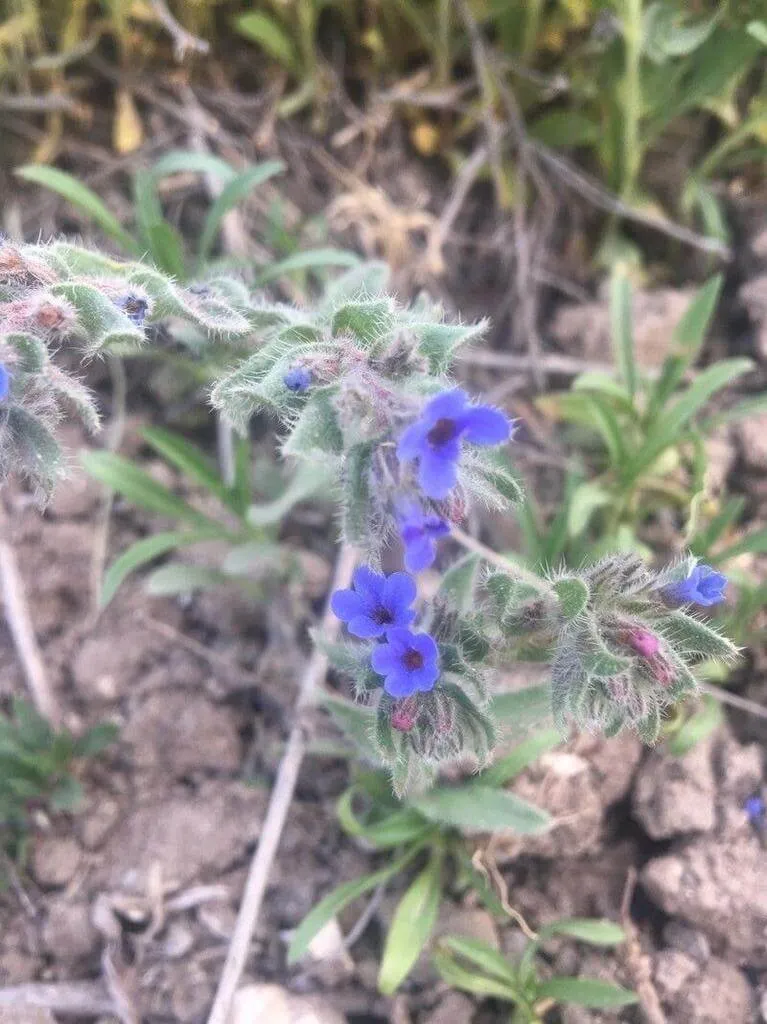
(632, 98)
(476, 546)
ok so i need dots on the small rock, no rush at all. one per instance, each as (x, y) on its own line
(752, 435)
(585, 329)
(192, 994)
(676, 795)
(716, 883)
(177, 940)
(25, 1015)
(278, 1006)
(716, 993)
(55, 861)
(68, 933)
(98, 821)
(454, 1008)
(330, 959)
(690, 941)
(468, 923)
(753, 295)
(178, 733)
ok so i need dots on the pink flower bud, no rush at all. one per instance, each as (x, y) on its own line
(642, 641)
(404, 714)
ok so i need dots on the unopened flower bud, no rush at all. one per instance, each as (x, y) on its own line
(642, 641)
(662, 670)
(404, 714)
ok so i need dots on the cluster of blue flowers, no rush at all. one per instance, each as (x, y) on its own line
(379, 607)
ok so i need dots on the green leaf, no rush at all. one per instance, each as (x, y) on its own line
(360, 515)
(482, 955)
(308, 259)
(412, 925)
(179, 578)
(459, 582)
(181, 161)
(600, 995)
(355, 721)
(188, 459)
(309, 480)
(480, 808)
(754, 543)
(666, 429)
(690, 332)
(84, 199)
(586, 499)
(470, 981)
(573, 595)
(233, 193)
(758, 30)
(507, 768)
(166, 247)
(368, 322)
(439, 342)
(400, 826)
(697, 727)
(335, 902)
(316, 430)
(523, 708)
(585, 929)
(97, 739)
(137, 486)
(265, 31)
(146, 550)
(621, 326)
(67, 794)
(565, 128)
(691, 636)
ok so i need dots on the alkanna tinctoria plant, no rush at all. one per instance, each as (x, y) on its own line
(364, 385)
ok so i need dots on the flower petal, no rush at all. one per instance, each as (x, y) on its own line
(412, 441)
(484, 425)
(399, 592)
(398, 637)
(449, 405)
(365, 627)
(436, 527)
(346, 604)
(424, 678)
(420, 553)
(369, 585)
(425, 645)
(437, 476)
(399, 684)
(385, 660)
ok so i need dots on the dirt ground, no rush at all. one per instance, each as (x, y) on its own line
(134, 895)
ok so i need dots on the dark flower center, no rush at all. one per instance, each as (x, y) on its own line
(444, 430)
(382, 616)
(412, 659)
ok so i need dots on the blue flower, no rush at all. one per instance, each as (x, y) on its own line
(704, 586)
(377, 602)
(298, 379)
(5, 383)
(755, 810)
(419, 531)
(408, 661)
(435, 438)
(135, 308)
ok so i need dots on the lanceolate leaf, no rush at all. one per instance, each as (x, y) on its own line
(482, 808)
(411, 926)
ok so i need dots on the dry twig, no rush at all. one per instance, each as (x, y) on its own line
(637, 962)
(20, 624)
(279, 805)
(182, 40)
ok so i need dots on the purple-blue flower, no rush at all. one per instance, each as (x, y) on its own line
(134, 306)
(408, 661)
(755, 810)
(5, 383)
(435, 439)
(420, 530)
(704, 586)
(298, 379)
(376, 603)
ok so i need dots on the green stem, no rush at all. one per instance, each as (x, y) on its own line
(478, 548)
(632, 97)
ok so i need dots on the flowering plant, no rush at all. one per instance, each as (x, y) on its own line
(364, 385)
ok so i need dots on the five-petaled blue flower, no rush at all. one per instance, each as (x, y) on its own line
(408, 661)
(5, 383)
(704, 586)
(376, 604)
(135, 308)
(435, 438)
(298, 379)
(420, 530)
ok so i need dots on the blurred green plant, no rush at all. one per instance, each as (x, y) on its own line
(248, 531)
(428, 830)
(476, 967)
(643, 437)
(38, 769)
